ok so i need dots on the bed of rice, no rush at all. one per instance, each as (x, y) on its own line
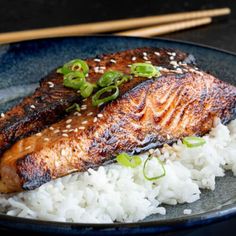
(116, 193)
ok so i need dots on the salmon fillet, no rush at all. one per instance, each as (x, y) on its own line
(145, 116)
(47, 105)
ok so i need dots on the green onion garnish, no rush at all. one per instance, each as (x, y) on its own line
(109, 78)
(128, 161)
(74, 65)
(86, 89)
(73, 107)
(193, 141)
(144, 70)
(155, 177)
(122, 80)
(74, 80)
(97, 101)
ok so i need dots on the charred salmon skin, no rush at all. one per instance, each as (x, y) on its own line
(49, 102)
(147, 115)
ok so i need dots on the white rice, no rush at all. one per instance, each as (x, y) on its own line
(116, 193)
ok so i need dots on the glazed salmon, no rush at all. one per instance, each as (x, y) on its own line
(49, 102)
(148, 115)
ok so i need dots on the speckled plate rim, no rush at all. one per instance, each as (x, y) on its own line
(147, 227)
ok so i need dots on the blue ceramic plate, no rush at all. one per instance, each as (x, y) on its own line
(23, 64)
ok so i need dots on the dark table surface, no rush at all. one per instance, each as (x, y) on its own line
(29, 14)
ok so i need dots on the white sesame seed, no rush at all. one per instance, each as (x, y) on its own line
(145, 54)
(187, 211)
(78, 91)
(71, 130)
(145, 58)
(100, 115)
(84, 122)
(174, 63)
(51, 84)
(32, 106)
(102, 67)
(65, 130)
(157, 53)
(63, 152)
(46, 139)
(149, 62)
(169, 53)
(81, 127)
(90, 114)
(172, 58)
(56, 131)
(129, 65)
(173, 54)
(77, 113)
(95, 119)
(75, 130)
(51, 128)
(27, 148)
(69, 121)
(38, 134)
(168, 136)
(2, 115)
(68, 126)
(83, 107)
(65, 135)
(151, 151)
(85, 99)
(133, 58)
(97, 60)
(113, 61)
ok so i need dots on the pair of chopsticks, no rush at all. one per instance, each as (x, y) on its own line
(147, 26)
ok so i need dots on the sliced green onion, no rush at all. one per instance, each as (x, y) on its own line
(74, 80)
(97, 101)
(144, 70)
(128, 161)
(74, 65)
(73, 107)
(155, 177)
(109, 78)
(193, 141)
(122, 80)
(86, 89)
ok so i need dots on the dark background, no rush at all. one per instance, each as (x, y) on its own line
(30, 14)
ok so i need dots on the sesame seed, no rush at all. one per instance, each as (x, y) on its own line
(173, 54)
(65, 135)
(46, 139)
(51, 128)
(129, 65)
(63, 152)
(157, 53)
(38, 134)
(75, 130)
(83, 107)
(145, 54)
(71, 130)
(168, 136)
(145, 58)
(84, 122)
(2, 115)
(113, 61)
(149, 62)
(27, 148)
(133, 58)
(174, 63)
(56, 131)
(100, 115)
(69, 121)
(102, 67)
(85, 99)
(51, 84)
(78, 91)
(65, 130)
(90, 114)
(169, 53)
(97, 60)
(151, 151)
(32, 106)
(81, 127)
(77, 114)
(95, 119)
(68, 126)
(172, 58)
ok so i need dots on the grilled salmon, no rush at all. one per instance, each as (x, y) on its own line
(47, 105)
(146, 115)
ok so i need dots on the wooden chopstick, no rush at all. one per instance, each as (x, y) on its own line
(101, 27)
(166, 28)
